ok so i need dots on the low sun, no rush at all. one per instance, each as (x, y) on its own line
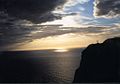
(61, 50)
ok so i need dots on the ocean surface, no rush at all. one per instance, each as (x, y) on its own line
(43, 66)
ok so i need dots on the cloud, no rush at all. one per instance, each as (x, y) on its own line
(18, 32)
(67, 21)
(20, 22)
(75, 2)
(33, 10)
(107, 8)
(16, 15)
(11, 34)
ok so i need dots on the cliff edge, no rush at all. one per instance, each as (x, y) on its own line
(100, 63)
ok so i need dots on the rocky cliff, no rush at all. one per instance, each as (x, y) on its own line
(100, 63)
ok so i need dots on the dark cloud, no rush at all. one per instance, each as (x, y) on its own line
(18, 20)
(14, 31)
(33, 10)
(18, 32)
(15, 13)
(108, 8)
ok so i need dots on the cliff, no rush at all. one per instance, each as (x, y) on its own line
(100, 63)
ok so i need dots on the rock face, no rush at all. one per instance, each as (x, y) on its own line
(100, 63)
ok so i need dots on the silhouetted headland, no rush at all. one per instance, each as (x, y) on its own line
(100, 63)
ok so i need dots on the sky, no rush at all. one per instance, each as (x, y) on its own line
(57, 24)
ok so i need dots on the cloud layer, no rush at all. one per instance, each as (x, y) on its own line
(107, 8)
(18, 32)
(15, 13)
(20, 20)
(33, 10)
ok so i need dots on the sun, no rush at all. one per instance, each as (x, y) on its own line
(61, 50)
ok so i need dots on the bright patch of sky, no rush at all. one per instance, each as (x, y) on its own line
(83, 15)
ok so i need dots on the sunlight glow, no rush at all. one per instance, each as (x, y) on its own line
(67, 21)
(60, 43)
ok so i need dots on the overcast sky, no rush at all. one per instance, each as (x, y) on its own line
(31, 24)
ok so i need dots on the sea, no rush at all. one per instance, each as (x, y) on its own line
(40, 66)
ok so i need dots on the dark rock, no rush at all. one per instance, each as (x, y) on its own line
(100, 63)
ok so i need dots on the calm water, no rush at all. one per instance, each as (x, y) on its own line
(45, 66)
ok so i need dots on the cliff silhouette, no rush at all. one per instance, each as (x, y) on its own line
(100, 63)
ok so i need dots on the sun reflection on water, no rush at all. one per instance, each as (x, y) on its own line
(61, 50)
